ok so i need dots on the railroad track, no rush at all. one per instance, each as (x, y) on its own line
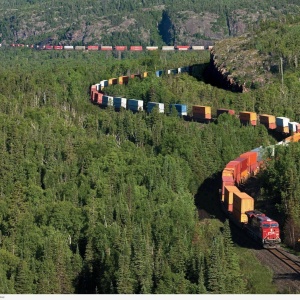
(287, 260)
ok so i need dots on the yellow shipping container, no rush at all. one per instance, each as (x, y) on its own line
(228, 193)
(242, 202)
(269, 119)
(112, 81)
(201, 109)
(241, 217)
(248, 116)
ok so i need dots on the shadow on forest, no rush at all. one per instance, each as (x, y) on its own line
(207, 200)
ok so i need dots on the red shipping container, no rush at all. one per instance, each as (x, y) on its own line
(225, 110)
(58, 47)
(93, 48)
(236, 169)
(251, 158)
(120, 48)
(136, 48)
(227, 181)
(243, 161)
(182, 47)
(48, 47)
(99, 99)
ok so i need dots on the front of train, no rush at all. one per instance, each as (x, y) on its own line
(270, 233)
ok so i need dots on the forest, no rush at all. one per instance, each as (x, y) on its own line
(98, 201)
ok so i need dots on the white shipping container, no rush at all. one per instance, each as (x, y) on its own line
(120, 102)
(198, 47)
(68, 47)
(135, 105)
(161, 106)
(282, 121)
(293, 126)
(168, 48)
(152, 47)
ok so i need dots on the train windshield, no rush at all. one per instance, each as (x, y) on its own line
(265, 225)
(274, 225)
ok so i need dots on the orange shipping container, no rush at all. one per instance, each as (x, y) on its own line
(283, 129)
(267, 119)
(251, 157)
(228, 194)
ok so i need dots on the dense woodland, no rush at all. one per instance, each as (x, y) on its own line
(97, 201)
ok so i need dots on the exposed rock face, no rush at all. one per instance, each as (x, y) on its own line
(218, 76)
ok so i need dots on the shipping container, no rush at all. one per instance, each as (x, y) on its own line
(103, 84)
(167, 48)
(267, 120)
(120, 48)
(80, 47)
(294, 127)
(135, 105)
(248, 116)
(243, 162)
(182, 48)
(198, 47)
(251, 159)
(123, 79)
(106, 48)
(119, 102)
(132, 76)
(201, 109)
(58, 47)
(69, 47)
(225, 110)
(282, 129)
(183, 69)
(92, 48)
(151, 48)
(93, 90)
(181, 109)
(228, 196)
(226, 181)
(136, 48)
(152, 105)
(48, 47)
(112, 81)
(107, 101)
(99, 98)
(159, 73)
(235, 168)
(242, 202)
(172, 71)
(282, 121)
(145, 74)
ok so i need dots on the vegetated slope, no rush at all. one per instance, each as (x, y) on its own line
(95, 201)
(132, 22)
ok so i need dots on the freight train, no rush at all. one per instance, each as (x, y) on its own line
(114, 48)
(238, 206)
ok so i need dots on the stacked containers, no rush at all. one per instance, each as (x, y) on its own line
(80, 48)
(99, 98)
(294, 127)
(106, 48)
(123, 79)
(119, 102)
(282, 124)
(167, 48)
(201, 112)
(225, 110)
(172, 71)
(243, 161)
(112, 81)
(135, 105)
(181, 109)
(268, 120)
(93, 91)
(107, 101)
(235, 168)
(242, 202)
(93, 48)
(227, 180)
(151, 105)
(159, 73)
(228, 196)
(120, 48)
(248, 117)
(152, 48)
(103, 84)
(183, 48)
(251, 161)
(136, 48)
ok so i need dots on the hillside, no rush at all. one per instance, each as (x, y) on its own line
(131, 22)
